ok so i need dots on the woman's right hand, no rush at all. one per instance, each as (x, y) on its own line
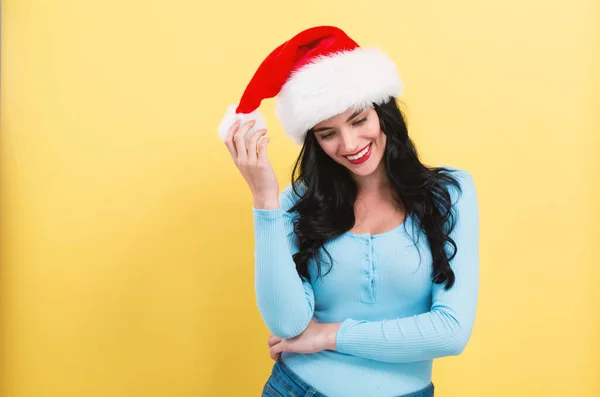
(252, 161)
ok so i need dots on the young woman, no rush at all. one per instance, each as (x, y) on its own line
(367, 264)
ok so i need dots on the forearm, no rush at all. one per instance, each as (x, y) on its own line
(417, 338)
(284, 301)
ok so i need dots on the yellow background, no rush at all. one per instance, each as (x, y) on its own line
(126, 231)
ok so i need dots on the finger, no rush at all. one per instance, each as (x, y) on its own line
(273, 340)
(252, 155)
(272, 351)
(262, 150)
(277, 348)
(229, 139)
(275, 356)
(240, 140)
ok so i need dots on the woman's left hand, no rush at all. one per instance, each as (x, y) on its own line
(315, 338)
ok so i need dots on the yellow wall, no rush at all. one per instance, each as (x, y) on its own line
(126, 231)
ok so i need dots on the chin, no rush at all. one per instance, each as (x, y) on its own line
(362, 172)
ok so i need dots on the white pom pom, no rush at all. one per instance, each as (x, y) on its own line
(231, 116)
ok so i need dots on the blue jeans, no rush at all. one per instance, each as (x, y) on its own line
(283, 382)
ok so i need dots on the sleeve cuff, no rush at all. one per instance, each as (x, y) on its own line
(342, 339)
(267, 214)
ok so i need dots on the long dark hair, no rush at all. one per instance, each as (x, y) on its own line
(325, 208)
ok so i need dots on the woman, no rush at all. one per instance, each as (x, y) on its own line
(366, 265)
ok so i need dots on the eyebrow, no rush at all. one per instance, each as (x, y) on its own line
(320, 129)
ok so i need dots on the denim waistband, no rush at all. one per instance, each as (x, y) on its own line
(284, 374)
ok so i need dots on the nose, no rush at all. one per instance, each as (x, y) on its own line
(350, 142)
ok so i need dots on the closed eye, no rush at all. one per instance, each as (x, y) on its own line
(355, 124)
(359, 122)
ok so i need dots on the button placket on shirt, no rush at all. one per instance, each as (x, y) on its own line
(367, 276)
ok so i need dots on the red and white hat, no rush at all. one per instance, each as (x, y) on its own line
(317, 74)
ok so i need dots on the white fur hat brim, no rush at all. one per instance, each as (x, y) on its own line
(333, 84)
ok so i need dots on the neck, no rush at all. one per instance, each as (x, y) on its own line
(374, 184)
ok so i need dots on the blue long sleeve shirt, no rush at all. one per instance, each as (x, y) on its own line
(395, 320)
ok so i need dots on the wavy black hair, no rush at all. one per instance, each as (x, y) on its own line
(325, 208)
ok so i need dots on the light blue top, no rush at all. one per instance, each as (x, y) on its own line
(395, 319)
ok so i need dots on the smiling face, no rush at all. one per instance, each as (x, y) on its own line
(353, 139)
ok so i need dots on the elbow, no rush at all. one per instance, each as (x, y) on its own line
(286, 324)
(283, 319)
(287, 329)
(457, 335)
(457, 343)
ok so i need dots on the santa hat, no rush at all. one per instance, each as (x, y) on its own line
(317, 74)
